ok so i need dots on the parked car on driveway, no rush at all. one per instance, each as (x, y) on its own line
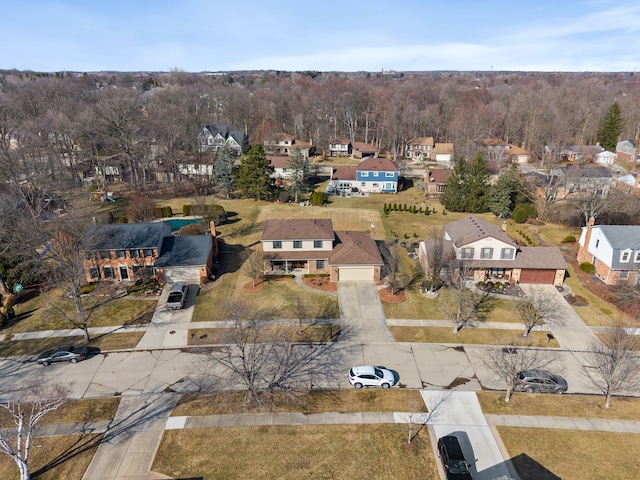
(177, 296)
(540, 381)
(68, 353)
(367, 376)
(453, 461)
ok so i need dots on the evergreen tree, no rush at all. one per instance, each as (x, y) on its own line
(454, 196)
(507, 192)
(611, 128)
(254, 174)
(298, 167)
(224, 170)
(476, 182)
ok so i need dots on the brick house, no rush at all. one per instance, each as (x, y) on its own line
(488, 253)
(340, 147)
(128, 251)
(435, 181)
(614, 250)
(311, 246)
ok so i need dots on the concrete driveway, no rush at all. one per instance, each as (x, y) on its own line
(361, 313)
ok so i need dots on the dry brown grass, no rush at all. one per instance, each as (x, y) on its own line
(55, 458)
(314, 333)
(301, 452)
(548, 454)
(579, 406)
(475, 336)
(308, 401)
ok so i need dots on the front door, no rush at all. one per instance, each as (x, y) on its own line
(124, 273)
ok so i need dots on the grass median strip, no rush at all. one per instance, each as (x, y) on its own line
(315, 333)
(312, 451)
(35, 346)
(307, 401)
(541, 454)
(475, 336)
(578, 406)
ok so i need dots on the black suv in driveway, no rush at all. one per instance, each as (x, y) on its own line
(540, 381)
(450, 453)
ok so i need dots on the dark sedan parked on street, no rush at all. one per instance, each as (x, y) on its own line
(68, 353)
(540, 381)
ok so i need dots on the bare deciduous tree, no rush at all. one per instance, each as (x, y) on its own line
(261, 357)
(613, 362)
(254, 265)
(465, 307)
(26, 408)
(537, 309)
(507, 362)
(438, 258)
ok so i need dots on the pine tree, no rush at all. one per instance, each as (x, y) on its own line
(254, 174)
(611, 128)
(454, 195)
(298, 167)
(477, 185)
(224, 170)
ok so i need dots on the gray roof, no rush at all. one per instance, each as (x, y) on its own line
(298, 229)
(471, 229)
(185, 251)
(622, 236)
(355, 248)
(123, 236)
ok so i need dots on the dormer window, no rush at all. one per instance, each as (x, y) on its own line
(625, 256)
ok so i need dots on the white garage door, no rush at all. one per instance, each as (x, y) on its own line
(357, 274)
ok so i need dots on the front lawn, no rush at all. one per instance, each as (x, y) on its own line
(302, 452)
(473, 336)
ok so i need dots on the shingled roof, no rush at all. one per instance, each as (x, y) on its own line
(355, 248)
(298, 229)
(471, 229)
(124, 236)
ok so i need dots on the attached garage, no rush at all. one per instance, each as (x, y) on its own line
(537, 276)
(356, 273)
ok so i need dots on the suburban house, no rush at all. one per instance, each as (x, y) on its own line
(626, 151)
(212, 137)
(614, 250)
(363, 150)
(606, 158)
(487, 253)
(435, 180)
(281, 171)
(419, 149)
(501, 152)
(580, 153)
(128, 251)
(285, 144)
(340, 147)
(377, 175)
(311, 246)
(442, 152)
(629, 184)
(573, 180)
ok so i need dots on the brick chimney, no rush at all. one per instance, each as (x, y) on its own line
(583, 249)
(372, 227)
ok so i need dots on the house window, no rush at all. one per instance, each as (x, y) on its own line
(136, 269)
(506, 254)
(374, 185)
(387, 186)
(363, 184)
(317, 244)
(624, 275)
(364, 174)
(135, 253)
(277, 244)
(121, 254)
(107, 271)
(94, 273)
(626, 255)
(486, 253)
(388, 174)
(375, 174)
(297, 244)
(148, 252)
(467, 253)
(320, 264)
(637, 259)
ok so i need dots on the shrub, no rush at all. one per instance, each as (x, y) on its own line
(186, 210)
(167, 212)
(158, 212)
(524, 211)
(122, 220)
(569, 239)
(87, 288)
(283, 197)
(587, 267)
(317, 199)
(92, 188)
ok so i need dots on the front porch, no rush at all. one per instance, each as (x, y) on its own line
(286, 267)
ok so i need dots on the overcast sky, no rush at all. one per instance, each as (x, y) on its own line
(324, 35)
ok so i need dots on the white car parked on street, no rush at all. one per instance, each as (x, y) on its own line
(367, 376)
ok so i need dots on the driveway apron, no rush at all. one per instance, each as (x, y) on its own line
(361, 313)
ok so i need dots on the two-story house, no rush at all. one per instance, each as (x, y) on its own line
(614, 250)
(419, 149)
(340, 147)
(212, 137)
(486, 252)
(128, 251)
(281, 169)
(312, 246)
(285, 144)
(626, 151)
(378, 175)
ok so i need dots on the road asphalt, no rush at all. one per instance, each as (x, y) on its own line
(150, 377)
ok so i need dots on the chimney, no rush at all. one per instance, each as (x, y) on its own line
(504, 225)
(373, 230)
(591, 222)
(523, 146)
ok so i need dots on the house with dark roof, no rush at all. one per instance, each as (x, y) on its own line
(487, 253)
(285, 144)
(212, 137)
(614, 251)
(363, 150)
(340, 147)
(128, 251)
(311, 246)
(435, 181)
(377, 175)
